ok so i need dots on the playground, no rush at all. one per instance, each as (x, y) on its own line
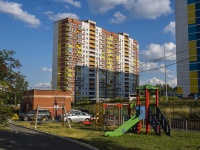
(119, 126)
(96, 138)
(150, 114)
(119, 116)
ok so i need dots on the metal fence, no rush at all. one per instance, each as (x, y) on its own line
(181, 111)
(185, 125)
(180, 124)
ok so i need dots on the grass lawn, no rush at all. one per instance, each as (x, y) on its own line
(179, 140)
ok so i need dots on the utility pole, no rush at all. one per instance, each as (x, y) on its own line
(97, 82)
(166, 97)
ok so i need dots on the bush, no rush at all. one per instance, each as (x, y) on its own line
(5, 114)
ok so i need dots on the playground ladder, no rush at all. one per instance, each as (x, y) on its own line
(154, 122)
(163, 121)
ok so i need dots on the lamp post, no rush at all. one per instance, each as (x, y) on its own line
(97, 82)
(166, 97)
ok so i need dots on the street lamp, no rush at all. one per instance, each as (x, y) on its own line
(97, 82)
(166, 97)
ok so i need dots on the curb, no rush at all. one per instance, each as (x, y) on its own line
(64, 138)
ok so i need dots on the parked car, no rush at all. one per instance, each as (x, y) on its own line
(42, 114)
(72, 111)
(76, 116)
(79, 117)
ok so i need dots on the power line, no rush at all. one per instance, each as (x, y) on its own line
(167, 65)
(169, 55)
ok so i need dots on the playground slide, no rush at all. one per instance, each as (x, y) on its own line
(124, 127)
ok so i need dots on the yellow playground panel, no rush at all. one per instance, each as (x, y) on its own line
(111, 114)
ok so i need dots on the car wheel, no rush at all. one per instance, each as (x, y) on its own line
(25, 118)
(87, 119)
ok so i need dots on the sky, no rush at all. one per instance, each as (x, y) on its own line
(26, 26)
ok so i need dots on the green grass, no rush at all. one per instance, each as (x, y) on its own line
(130, 141)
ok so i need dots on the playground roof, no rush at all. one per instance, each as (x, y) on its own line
(147, 86)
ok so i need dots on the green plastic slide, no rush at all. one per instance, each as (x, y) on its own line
(124, 127)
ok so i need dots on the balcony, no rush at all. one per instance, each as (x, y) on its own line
(126, 55)
(91, 81)
(126, 47)
(92, 41)
(91, 86)
(92, 32)
(92, 37)
(92, 63)
(92, 27)
(126, 51)
(92, 59)
(92, 66)
(92, 46)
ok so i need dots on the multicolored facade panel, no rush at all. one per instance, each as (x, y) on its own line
(190, 31)
(81, 48)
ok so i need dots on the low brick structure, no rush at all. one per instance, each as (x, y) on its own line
(46, 98)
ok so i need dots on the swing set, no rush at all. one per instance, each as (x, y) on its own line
(35, 118)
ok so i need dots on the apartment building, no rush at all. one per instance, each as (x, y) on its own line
(82, 50)
(188, 46)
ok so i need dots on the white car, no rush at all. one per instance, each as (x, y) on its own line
(78, 116)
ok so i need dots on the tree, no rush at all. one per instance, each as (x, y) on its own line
(19, 86)
(5, 114)
(12, 83)
(162, 88)
(7, 65)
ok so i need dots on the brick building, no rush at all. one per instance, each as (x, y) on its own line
(46, 98)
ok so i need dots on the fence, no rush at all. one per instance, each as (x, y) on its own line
(185, 125)
(181, 111)
(181, 124)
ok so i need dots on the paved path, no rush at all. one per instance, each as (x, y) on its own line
(25, 139)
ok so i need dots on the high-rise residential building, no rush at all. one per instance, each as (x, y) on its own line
(82, 50)
(187, 14)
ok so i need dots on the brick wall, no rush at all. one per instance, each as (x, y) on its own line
(46, 98)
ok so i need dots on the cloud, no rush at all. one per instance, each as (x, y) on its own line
(59, 16)
(170, 28)
(173, 82)
(156, 51)
(154, 81)
(118, 18)
(147, 9)
(170, 76)
(15, 10)
(45, 69)
(153, 67)
(43, 85)
(102, 6)
(72, 2)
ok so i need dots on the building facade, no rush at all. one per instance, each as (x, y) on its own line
(84, 53)
(188, 46)
(47, 99)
